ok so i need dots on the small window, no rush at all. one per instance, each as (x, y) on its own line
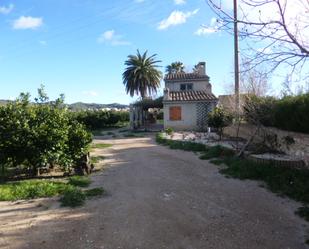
(186, 87)
(175, 113)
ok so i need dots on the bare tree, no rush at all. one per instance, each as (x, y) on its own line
(253, 80)
(274, 31)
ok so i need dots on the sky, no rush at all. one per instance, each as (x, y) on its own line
(78, 47)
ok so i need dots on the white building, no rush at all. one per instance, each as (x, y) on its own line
(188, 99)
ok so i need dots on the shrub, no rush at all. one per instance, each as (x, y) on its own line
(98, 119)
(289, 113)
(40, 134)
(219, 119)
(73, 197)
(169, 131)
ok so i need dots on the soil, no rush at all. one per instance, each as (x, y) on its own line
(157, 198)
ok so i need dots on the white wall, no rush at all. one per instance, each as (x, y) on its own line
(197, 86)
(188, 117)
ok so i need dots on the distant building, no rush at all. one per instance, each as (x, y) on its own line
(188, 99)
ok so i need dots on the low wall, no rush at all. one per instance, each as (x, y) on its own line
(298, 149)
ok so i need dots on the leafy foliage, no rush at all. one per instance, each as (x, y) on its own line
(219, 119)
(175, 67)
(98, 119)
(141, 76)
(40, 134)
(289, 113)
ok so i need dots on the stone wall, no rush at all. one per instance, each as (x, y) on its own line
(292, 143)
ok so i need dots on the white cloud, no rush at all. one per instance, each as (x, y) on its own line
(28, 22)
(139, 1)
(179, 2)
(43, 43)
(112, 38)
(176, 18)
(6, 10)
(91, 93)
(210, 29)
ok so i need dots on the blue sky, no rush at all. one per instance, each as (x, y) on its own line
(78, 47)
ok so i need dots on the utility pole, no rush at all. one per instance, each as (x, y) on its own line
(236, 60)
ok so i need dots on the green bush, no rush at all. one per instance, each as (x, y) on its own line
(99, 119)
(79, 181)
(73, 197)
(289, 113)
(34, 135)
(219, 119)
(169, 131)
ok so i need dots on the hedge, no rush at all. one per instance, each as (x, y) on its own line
(288, 113)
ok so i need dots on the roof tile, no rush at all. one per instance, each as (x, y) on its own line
(191, 96)
(185, 76)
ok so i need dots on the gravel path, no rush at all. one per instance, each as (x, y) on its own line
(157, 198)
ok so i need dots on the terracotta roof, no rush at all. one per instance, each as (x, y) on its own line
(185, 76)
(191, 96)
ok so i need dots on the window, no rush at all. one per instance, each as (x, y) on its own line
(175, 113)
(186, 87)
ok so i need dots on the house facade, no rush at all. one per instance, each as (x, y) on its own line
(187, 100)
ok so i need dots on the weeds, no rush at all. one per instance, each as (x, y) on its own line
(96, 159)
(101, 146)
(30, 189)
(94, 192)
(79, 181)
(73, 197)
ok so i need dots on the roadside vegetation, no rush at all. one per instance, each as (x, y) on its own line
(40, 135)
(100, 146)
(284, 181)
(99, 121)
(71, 191)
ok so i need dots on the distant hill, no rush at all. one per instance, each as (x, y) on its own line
(3, 101)
(93, 106)
(78, 106)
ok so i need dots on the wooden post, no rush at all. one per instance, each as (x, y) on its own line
(236, 61)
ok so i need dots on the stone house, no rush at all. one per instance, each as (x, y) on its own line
(188, 99)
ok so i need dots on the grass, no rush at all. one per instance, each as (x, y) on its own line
(71, 193)
(94, 192)
(101, 146)
(215, 152)
(79, 181)
(30, 189)
(96, 159)
(73, 197)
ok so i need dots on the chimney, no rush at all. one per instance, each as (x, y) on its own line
(201, 68)
(166, 94)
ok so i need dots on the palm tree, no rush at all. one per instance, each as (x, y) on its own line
(175, 67)
(141, 77)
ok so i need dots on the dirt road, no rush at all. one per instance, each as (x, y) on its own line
(157, 198)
